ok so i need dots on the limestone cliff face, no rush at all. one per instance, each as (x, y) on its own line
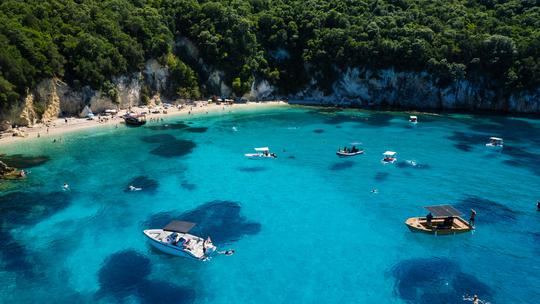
(409, 90)
(47, 95)
(28, 114)
(388, 88)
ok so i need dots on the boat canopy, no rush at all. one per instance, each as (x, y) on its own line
(413, 117)
(263, 149)
(443, 210)
(179, 226)
(496, 138)
(390, 153)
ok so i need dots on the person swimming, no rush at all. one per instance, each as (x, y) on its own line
(65, 187)
(133, 188)
(375, 191)
(227, 252)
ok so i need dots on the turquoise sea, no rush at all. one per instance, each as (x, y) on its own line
(306, 227)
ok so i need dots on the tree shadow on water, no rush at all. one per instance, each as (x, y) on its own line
(125, 273)
(221, 220)
(435, 280)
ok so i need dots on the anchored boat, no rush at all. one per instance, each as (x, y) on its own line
(441, 219)
(349, 152)
(389, 157)
(413, 119)
(263, 152)
(135, 119)
(174, 239)
(495, 142)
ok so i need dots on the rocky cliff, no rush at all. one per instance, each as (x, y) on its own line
(355, 87)
(408, 90)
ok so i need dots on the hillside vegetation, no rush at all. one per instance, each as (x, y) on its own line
(287, 43)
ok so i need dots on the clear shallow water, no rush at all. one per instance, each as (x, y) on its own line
(306, 227)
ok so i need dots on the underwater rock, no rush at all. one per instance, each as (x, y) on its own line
(318, 131)
(125, 273)
(23, 162)
(488, 211)
(252, 169)
(435, 280)
(381, 176)
(144, 183)
(342, 165)
(178, 147)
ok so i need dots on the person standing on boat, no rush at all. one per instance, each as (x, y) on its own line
(471, 220)
(429, 218)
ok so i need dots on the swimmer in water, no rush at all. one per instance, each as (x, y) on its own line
(65, 187)
(133, 188)
(375, 191)
(227, 252)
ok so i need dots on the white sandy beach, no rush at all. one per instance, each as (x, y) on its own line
(59, 126)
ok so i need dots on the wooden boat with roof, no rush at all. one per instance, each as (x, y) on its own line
(441, 220)
(174, 239)
(135, 119)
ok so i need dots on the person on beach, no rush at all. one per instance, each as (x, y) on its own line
(38, 135)
(65, 120)
(471, 220)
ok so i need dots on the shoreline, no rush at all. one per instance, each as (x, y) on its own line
(60, 127)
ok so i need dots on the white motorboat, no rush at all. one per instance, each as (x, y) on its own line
(263, 152)
(495, 142)
(174, 239)
(413, 119)
(389, 157)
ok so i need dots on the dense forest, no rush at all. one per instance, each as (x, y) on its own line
(286, 42)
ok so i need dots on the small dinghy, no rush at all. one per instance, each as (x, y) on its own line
(389, 157)
(442, 219)
(174, 239)
(345, 152)
(261, 153)
(413, 120)
(495, 142)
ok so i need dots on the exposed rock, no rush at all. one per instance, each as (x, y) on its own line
(5, 126)
(129, 90)
(156, 75)
(47, 95)
(101, 102)
(416, 90)
(28, 115)
(8, 172)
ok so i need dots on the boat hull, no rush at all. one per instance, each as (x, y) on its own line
(344, 154)
(384, 161)
(418, 224)
(168, 248)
